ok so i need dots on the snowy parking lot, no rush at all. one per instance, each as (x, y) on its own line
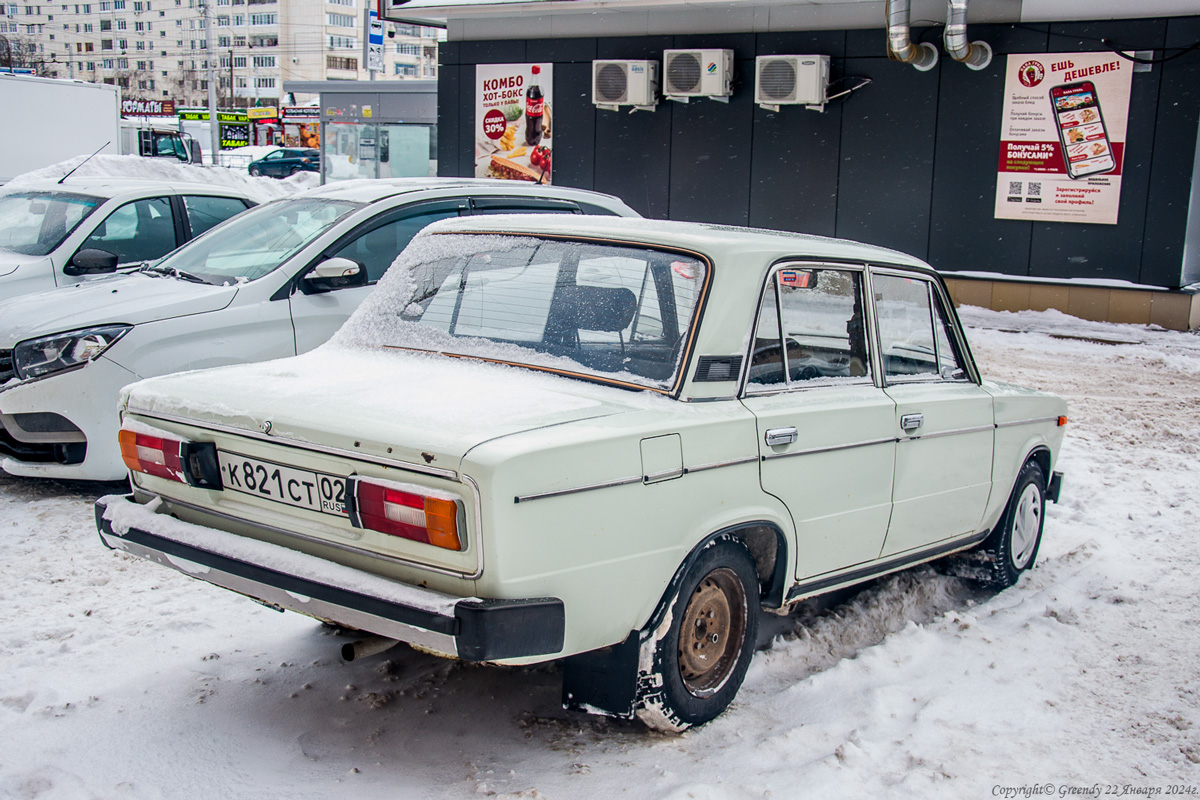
(123, 679)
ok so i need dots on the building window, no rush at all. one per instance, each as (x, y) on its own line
(106, 44)
(264, 61)
(264, 19)
(239, 61)
(339, 20)
(405, 69)
(264, 83)
(106, 24)
(338, 62)
(342, 43)
(405, 49)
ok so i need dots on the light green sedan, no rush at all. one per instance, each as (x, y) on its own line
(614, 442)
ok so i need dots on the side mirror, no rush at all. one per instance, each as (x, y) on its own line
(91, 262)
(334, 273)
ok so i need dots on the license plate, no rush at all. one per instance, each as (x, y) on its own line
(294, 487)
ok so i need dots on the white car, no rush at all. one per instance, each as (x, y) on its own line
(57, 234)
(276, 281)
(614, 442)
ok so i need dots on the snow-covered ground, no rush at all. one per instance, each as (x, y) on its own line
(123, 679)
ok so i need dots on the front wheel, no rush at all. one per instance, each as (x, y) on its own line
(1013, 546)
(700, 651)
(255, 171)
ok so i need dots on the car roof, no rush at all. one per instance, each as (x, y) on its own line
(718, 241)
(111, 187)
(369, 190)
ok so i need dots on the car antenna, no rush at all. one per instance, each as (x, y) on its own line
(81, 163)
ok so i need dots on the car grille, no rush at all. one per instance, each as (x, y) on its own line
(6, 365)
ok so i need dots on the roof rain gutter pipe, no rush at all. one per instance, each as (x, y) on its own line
(923, 56)
(975, 55)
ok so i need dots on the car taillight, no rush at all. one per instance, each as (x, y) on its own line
(194, 463)
(305, 161)
(404, 510)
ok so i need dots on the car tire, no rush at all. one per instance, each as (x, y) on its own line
(295, 171)
(1013, 546)
(255, 171)
(696, 659)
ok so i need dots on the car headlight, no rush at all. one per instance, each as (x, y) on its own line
(34, 358)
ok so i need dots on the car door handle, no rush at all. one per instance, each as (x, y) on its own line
(778, 436)
(910, 422)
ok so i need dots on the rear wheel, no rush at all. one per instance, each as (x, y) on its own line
(1013, 546)
(294, 171)
(700, 652)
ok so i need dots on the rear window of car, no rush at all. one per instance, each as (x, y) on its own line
(609, 311)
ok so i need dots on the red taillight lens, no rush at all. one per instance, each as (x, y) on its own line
(405, 512)
(153, 455)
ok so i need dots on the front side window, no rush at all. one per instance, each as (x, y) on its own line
(810, 330)
(142, 230)
(610, 311)
(913, 331)
(34, 223)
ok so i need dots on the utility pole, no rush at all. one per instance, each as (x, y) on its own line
(213, 124)
(232, 93)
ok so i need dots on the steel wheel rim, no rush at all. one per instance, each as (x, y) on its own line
(712, 631)
(1027, 521)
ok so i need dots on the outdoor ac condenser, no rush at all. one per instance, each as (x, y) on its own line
(697, 73)
(790, 80)
(617, 83)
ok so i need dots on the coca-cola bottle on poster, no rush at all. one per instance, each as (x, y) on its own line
(534, 107)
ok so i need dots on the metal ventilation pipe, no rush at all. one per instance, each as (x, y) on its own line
(900, 44)
(975, 55)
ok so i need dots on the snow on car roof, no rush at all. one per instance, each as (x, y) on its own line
(111, 187)
(709, 238)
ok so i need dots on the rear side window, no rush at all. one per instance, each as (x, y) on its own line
(207, 212)
(520, 205)
(139, 231)
(810, 330)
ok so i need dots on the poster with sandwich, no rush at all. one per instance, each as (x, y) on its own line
(513, 122)
(1063, 137)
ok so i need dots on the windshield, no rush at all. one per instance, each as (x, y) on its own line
(34, 223)
(257, 241)
(618, 312)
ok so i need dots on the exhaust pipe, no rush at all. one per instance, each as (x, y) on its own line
(367, 647)
(900, 45)
(975, 55)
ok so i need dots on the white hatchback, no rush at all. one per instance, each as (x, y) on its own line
(276, 281)
(59, 233)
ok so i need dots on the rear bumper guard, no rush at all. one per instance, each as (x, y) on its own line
(471, 629)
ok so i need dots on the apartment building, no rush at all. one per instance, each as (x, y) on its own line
(156, 49)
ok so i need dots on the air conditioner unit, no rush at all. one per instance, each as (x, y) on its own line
(791, 80)
(697, 73)
(619, 83)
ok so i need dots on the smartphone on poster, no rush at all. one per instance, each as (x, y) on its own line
(1081, 131)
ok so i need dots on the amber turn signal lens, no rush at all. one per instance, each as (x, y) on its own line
(1062, 421)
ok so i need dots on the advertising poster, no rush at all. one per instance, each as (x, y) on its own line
(513, 121)
(1063, 137)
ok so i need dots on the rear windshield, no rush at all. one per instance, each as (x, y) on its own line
(34, 223)
(611, 311)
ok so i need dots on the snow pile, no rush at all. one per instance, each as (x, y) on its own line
(124, 679)
(259, 189)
